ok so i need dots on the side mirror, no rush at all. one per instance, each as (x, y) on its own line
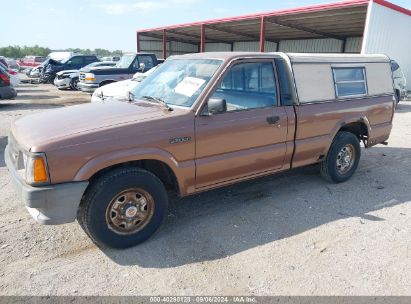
(216, 106)
(142, 67)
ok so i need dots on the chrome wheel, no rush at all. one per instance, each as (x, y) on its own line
(129, 211)
(345, 159)
(75, 85)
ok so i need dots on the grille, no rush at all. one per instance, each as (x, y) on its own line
(82, 76)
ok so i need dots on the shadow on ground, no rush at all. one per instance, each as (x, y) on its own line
(403, 107)
(227, 221)
(37, 97)
(15, 106)
(3, 144)
(32, 91)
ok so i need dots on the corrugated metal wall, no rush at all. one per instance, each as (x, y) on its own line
(353, 45)
(311, 46)
(218, 47)
(254, 46)
(154, 45)
(389, 32)
(241, 46)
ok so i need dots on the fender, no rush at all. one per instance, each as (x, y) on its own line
(184, 171)
(359, 119)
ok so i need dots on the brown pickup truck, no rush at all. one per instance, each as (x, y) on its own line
(199, 122)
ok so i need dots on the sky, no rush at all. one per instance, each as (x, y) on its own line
(112, 24)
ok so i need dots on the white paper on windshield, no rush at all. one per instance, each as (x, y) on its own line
(189, 86)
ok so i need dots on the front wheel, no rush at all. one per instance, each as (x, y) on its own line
(123, 208)
(342, 158)
(74, 84)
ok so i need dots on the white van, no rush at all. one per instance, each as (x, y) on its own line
(59, 56)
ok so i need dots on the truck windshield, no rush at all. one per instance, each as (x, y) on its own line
(125, 61)
(178, 81)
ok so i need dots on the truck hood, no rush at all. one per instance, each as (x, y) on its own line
(67, 72)
(106, 71)
(117, 89)
(32, 132)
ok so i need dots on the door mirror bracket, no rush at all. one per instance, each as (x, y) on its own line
(216, 106)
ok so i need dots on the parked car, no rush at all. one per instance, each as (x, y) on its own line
(120, 89)
(14, 77)
(111, 58)
(128, 65)
(400, 82)
(199, 122)
(34, 72)
(3, 61)
(13, 65)
(7, 91)
(70, 78)
(61, 55)
(30, 61)
(73, 63)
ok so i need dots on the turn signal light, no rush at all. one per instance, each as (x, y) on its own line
(39, 172)
(36, 169)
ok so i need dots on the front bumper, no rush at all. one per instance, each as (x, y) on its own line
(48, 205)
(62, 83)
(88, 87)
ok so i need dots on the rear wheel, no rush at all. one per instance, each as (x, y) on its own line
(123, 208)
(342, 158)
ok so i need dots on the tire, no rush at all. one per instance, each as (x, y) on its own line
(105, 83)
(74, 84)
(102, 203)
(334, 167)
(397, 96)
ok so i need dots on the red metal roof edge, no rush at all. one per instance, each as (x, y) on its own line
(311, 8)
(393, 7)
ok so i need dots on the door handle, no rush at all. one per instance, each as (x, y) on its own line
(272, 120)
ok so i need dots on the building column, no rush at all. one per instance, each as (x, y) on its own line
(164, 45)
(138, 42)
(202, 39)
(262, 34)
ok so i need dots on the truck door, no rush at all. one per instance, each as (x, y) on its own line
(250, 136)
(146, 60)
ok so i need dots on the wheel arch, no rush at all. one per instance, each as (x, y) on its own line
(105, 82)
(160, 163)
(359, 126)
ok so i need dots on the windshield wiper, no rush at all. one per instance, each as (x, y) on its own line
(158, 100)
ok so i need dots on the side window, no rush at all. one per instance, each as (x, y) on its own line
(90, 59)
(75, 62)
(147, 60)
(248, 86)
(350, 81)
(284, 80)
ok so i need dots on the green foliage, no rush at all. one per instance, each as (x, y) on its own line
(21, 51)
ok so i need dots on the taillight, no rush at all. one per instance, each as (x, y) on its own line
(5, 79)
(11, 72)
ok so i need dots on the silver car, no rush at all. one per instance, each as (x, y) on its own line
(400, 82)
(69, 79)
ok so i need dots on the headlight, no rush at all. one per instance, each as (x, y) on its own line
(89, 77)
(36, 169)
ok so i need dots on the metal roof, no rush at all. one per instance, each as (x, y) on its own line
(334, 20)
(294, 57)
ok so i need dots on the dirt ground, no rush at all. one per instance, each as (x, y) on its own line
(290, 234)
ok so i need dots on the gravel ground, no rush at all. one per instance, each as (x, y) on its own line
(290, 234)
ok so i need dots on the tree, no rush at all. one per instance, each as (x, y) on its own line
(21, 51)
